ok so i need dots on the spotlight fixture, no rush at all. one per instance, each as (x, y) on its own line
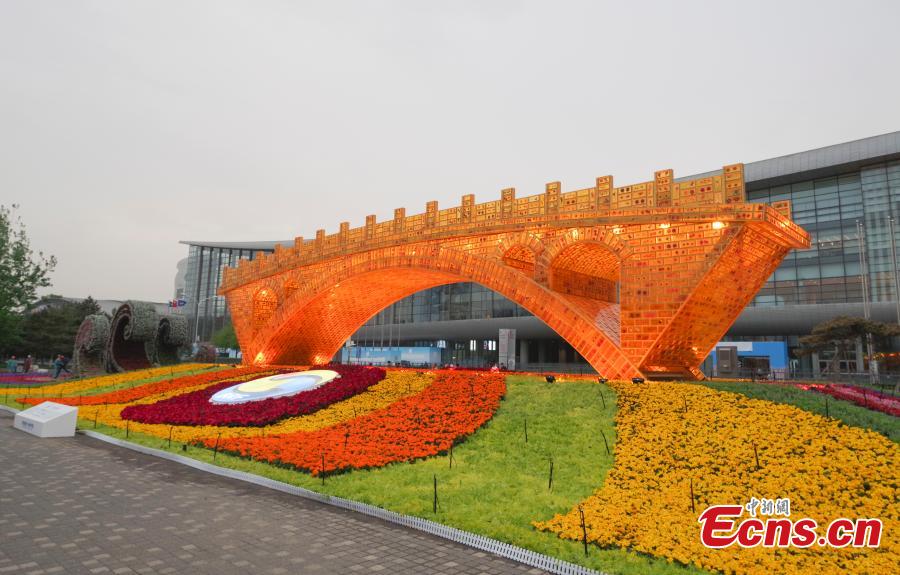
(637, 380)
(551, 378)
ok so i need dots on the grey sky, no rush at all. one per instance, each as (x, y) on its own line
(127, 126)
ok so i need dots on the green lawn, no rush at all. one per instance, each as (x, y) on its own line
(499, 483)
(813, 401)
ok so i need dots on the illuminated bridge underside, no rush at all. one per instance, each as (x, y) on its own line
(641, 280)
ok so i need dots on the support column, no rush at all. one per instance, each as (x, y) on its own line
(523, 355)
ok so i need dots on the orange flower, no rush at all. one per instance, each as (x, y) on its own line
(454, 406)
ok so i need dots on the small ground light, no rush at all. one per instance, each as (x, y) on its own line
(602, 380)
(551, 378)
(637, 380)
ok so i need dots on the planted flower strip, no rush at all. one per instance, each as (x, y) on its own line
(129, 395)
(860, 396)
(422, 425)
(83, 385)
(194, 408)
(395, 386)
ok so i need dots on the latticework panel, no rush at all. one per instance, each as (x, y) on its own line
(638, 279)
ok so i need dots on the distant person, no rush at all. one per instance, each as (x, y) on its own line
(11, 364)
(61, 364)
(26, 366)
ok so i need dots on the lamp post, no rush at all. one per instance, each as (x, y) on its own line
(867, 312)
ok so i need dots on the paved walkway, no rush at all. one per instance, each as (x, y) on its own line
(81, 506)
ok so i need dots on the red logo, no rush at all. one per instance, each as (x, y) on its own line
(720, 527)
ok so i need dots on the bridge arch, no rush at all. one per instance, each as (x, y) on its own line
(312, 324)
(520, 257)
(608, 237)
(587, 269)
(520, 251)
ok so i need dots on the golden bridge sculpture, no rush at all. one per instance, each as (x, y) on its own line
(641, 280)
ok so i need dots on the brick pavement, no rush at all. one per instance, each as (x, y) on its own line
(82, 506)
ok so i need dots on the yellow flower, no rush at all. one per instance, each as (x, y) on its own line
(82, 385)
(672, 435)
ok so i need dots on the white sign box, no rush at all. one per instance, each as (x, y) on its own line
(48, 420)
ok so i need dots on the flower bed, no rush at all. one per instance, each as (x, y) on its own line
(83, 385)
(395, 386)
(194, 408)
(166, 386)
(422, 425)
(675, 439)
(861, 396)
(24, 378)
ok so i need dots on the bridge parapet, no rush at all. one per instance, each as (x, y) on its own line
(719, 196)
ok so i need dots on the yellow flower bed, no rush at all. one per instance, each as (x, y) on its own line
(396, 385)
(82, 385)
(828, 471)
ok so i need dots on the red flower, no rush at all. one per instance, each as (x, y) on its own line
(454, 406)
(194, 408)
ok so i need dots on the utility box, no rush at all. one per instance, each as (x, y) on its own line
(727, 361)
(48, 420)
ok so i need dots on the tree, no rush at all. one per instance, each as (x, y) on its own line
(22, 272)
(840, 334)
(50, 326)
(225, 337)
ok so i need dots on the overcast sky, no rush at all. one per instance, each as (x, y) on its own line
(128, 126)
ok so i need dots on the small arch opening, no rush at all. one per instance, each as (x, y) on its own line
(587, 269)
(520, 257)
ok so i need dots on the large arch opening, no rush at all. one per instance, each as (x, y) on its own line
(316, 322)
(586, 270)
(334, 314)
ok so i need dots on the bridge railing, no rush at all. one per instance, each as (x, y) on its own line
(722, 193)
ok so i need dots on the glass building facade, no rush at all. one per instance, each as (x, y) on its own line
(460, 301)
(830, 209)
(208, 312)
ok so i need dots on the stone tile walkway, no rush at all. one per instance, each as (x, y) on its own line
(81, 506)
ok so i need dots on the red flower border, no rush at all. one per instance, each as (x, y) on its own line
(194, 408)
